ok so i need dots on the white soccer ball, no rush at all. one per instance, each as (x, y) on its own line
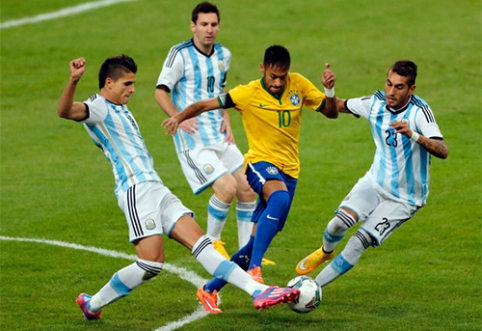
(310, 294)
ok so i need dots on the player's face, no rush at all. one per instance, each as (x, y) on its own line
(397, 91)
(205, 30)
(274, 79)
(119, 92)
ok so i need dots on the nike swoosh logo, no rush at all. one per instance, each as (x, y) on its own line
(271, 218)
(302, 265)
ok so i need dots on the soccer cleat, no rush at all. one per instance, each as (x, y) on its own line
(274, 295)
(219, 246)
(309, 263)
(209, 300)
(83, 300)
(267, 262)
(255, 273)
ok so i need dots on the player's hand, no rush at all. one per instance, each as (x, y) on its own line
(170, 125)
(328, 78)
(402, 128)
(77, 68)
(190, 125)
(229, 133)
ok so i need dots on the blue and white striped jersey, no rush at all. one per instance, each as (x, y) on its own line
(115, 131)
(192, 76)
(401, 167)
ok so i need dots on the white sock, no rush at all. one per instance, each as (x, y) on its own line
(221, 268)
(217, 214)
(336, 229)
(123, 282)
(342, 263)
(244, 213)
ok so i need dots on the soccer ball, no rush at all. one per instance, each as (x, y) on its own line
(310, 294)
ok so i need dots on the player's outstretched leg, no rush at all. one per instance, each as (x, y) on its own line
(217, 214)
(270, 222)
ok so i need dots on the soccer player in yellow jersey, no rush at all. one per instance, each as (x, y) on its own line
(271, 111)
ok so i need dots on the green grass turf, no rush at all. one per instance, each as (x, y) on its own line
(56, 185)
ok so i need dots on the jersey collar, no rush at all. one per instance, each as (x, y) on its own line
(274, 96)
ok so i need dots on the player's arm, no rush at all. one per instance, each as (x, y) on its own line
(164, 101)
(330, 107)
(67, 108)
(342, 106)
(171, 124)
(435, 146)
(226, 127)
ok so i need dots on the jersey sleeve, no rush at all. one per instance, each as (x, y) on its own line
(239, 96)
(313, 97)
(359, 106)
(96, 109)
(426, 124)
(172, 69)
(227, 65)
(225, 101)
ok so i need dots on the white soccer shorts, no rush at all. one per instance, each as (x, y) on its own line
(151, 209)
(202, 166)
(380, 214)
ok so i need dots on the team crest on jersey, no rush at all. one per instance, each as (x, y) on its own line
(272, 170)
(150, 224)
(208, 169)
(295, 99)
(222, 67)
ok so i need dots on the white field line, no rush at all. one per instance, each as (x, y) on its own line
(60, 13)
(183, 273)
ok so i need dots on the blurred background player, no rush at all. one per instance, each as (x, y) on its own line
(271, 111)
(149, 207)
(195, 70)
(397, 184)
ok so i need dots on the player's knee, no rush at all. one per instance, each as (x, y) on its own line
(281, 200)
(245, 193)
(225, 188)
(337, 226)
(342, 221)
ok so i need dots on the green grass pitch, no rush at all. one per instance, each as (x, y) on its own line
(55, 185)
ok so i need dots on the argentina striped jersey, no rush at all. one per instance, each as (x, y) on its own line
(401, 167)
(115, 131)
(191, 76)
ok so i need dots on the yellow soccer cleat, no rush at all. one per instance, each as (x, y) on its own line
(309, 263)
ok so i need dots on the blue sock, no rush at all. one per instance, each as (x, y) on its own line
(278, 206)
(241, 258)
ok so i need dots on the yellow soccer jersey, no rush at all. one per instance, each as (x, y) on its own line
(273, 124)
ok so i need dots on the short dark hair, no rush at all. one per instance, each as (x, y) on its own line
(204, 7)
(116, 67)
(277, 56)
(407, 69)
